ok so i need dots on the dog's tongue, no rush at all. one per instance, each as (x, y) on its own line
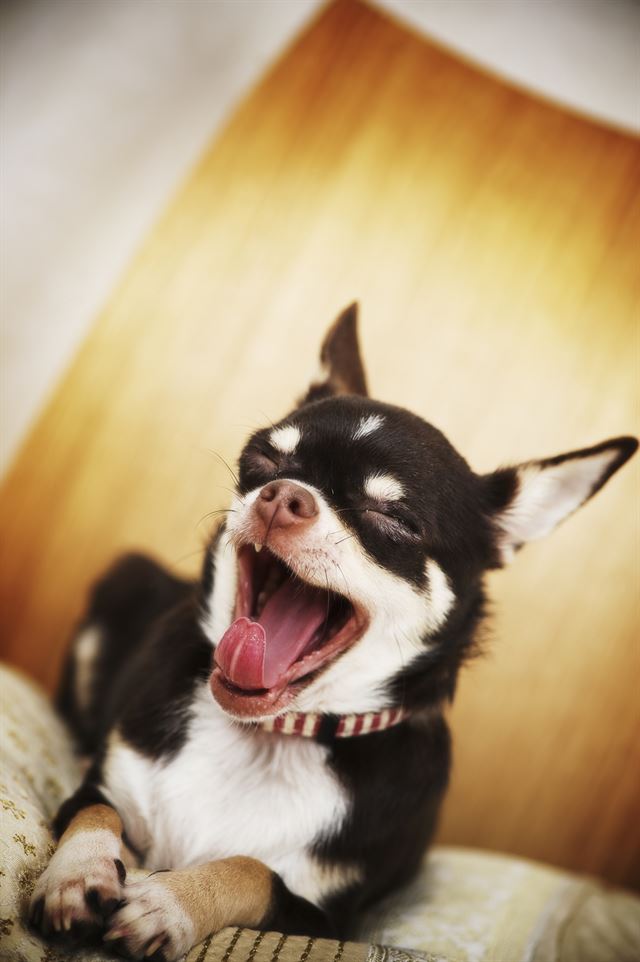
(257, 654)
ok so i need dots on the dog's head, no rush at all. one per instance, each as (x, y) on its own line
(349, 570)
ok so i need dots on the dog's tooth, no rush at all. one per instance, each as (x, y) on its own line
(257, 546)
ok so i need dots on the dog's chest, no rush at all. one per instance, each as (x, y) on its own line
(227, 792)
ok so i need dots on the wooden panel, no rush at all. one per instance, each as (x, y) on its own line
(492, 240)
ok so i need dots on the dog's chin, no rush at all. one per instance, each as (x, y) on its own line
(251, 705)
(285, 633)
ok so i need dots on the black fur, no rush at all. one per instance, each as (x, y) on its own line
(132, 595)
(86, 795)
(292, 915)
(396, 780)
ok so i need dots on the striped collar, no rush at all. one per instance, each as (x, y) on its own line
(310, 724)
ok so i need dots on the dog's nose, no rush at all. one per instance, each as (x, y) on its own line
(282, 504)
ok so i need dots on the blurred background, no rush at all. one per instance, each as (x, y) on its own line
(105, 107)
(191, 191)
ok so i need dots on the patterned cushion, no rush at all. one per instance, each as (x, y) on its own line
(464, 907)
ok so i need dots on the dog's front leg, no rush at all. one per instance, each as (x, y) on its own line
(83, 882)
(169, 912)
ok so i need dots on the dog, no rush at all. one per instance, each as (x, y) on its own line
(270, 742)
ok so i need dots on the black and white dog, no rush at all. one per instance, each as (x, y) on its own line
(270, 742)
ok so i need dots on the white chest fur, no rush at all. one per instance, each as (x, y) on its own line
(230, 792)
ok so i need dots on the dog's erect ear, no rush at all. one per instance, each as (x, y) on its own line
(341, 370)
(528, 501)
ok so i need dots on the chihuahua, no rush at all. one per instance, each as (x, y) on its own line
(270, 742)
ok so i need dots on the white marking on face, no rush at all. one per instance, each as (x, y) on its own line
(285, 439)
(403, 619)
(85, 650)
(401, 615)
(441, 597)
(221, 601)
(367, 426)
(240, 772)
(383, 487)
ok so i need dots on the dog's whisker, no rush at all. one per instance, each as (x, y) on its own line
(267, 418)
(247, 425)
(216, 511)
(223, 487)
(189, 554)
(217, 455)
(326, 617)
(346, 585)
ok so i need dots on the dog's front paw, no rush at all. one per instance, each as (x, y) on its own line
(77, 891)
(152, 923)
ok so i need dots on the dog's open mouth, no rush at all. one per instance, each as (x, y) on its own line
(284, 633)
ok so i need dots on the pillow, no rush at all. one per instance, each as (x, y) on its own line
(471, 906)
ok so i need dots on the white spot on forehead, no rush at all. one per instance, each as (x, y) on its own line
(383, 487)
(367, 426)
(285, 439)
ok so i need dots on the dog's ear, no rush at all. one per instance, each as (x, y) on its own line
(341, 370)
(528, 501)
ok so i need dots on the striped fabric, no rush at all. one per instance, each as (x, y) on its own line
(348, 726)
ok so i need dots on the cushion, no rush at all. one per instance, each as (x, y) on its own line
(465, 906)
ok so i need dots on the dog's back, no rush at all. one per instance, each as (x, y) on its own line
(124, 604)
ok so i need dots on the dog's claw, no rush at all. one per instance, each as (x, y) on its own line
(153, 948)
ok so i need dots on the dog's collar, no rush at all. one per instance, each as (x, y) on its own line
(312, 724)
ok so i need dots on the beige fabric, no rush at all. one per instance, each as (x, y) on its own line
(469, 906)
(464, 907)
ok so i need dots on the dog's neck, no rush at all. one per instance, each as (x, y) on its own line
(315, 725)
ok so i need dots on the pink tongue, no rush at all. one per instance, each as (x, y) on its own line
(257, 654)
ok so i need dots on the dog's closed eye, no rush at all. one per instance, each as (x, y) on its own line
(396, 524)
(265, 464)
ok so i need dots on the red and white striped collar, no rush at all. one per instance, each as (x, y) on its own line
(310, 724)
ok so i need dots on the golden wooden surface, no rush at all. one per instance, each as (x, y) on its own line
(492, 241)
